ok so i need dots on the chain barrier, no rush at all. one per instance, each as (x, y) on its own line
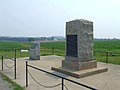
(42, 84)
(8, 66)
(66, 87)
(12, 59)
(8, 58)
(63, 78)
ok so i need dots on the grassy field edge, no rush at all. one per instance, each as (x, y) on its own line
(14, 85)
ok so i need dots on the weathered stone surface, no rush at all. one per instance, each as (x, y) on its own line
(76, 66)
(82, 45)
(35, 51)
(79, 45)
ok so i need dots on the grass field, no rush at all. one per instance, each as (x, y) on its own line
(14, 45)
(8, 48)
(107, 45)
(58, 48)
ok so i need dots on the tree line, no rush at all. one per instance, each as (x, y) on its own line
(30, 39)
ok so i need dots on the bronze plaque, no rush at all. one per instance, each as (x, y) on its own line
(71, 46)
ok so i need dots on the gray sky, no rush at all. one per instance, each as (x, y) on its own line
(38, 18)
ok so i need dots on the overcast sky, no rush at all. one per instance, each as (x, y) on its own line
(38, 18)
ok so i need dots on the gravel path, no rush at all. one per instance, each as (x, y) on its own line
(4, 85)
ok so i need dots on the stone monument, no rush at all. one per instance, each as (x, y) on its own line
(79, 50)
(35, 51)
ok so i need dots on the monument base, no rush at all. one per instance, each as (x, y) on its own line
(79, 69)
(76, 66)
(81, 73)
(34, 59)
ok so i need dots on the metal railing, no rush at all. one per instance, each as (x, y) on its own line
(99, 55)
(63, 78)
(107, 56)
(14, 65)
(52, 51)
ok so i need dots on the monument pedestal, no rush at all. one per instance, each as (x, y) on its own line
(79, 69)
(76, 66)
(81, 73)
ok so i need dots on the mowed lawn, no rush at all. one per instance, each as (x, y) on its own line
(58, 48)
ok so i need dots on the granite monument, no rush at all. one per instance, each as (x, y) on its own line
(35, 51)
(79, 60)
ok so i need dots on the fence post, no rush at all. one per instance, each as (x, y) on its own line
(62, 84)
(26, 74)
(107, 57)
(15, 53)
(52, 50)
(2, 62)
(20, 52)
(15, 64)
(94, 53)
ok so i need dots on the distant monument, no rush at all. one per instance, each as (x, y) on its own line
(79, 50)
(35, 51)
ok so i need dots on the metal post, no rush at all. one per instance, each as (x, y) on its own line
(26, 74)
(107, 57)
(62, 84)
(2, 62)
(20, 52)
(15, 64)
(94, 53)
(15, 67)
(15, 53)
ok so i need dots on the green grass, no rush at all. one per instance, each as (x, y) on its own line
(13, 84)
(8, 49)
(107, 45)
(100, 47)
(55, 45)
(14, 45)
(112, 46)
(50, 48)
(58, 48)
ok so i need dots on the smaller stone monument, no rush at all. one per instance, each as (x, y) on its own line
(35, 51)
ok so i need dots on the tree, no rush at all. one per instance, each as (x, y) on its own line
(31, 39)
